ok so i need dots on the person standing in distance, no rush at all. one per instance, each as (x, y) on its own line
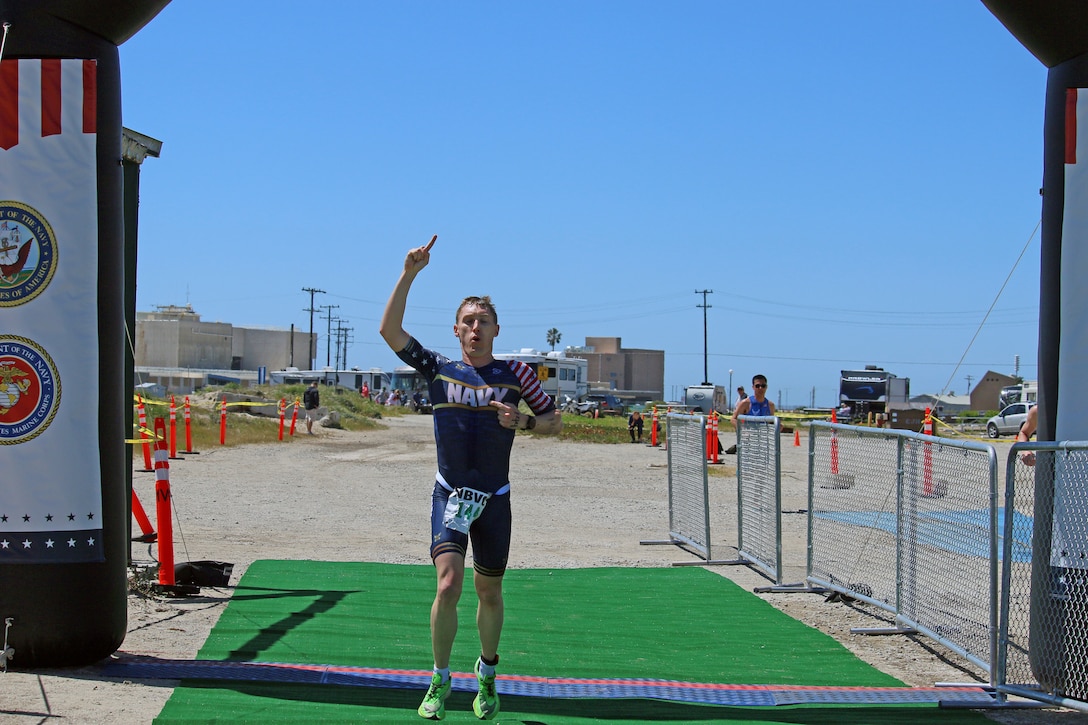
(311, 400)
(475, 401)
(635, 423)
(757, 403)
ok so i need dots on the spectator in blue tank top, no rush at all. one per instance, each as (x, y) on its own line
(757, 403)
(476, 411)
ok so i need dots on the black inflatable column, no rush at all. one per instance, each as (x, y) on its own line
(1059, 601)
(63, 504)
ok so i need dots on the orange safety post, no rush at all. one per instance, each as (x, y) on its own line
(223, 423)
(927, 457)
(188, 428)
(712, 437)
(173, 428)
(797, 437)
(141, 417)
(653, 428)
(706, 430)
(834, 447)
(141, 519)
(162, 506)
(294, 417)
(283, 413)
(667, 411)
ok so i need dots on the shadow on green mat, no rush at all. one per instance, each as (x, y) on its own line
(267, 636)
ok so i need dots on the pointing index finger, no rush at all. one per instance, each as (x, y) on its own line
(430, 243)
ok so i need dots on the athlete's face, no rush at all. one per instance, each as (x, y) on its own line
(476, 329)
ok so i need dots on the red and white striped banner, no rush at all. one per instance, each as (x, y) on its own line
(51, 498)
(47, 99)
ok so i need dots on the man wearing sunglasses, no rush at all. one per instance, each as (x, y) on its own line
(757, 403)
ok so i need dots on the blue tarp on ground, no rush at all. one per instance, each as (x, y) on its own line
(961, 532)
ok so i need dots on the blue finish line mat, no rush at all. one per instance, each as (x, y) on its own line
(548, 687)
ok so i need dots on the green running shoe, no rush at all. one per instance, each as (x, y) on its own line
(433, 706)
(486, 704)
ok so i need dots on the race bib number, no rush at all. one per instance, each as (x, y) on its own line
(463, 507)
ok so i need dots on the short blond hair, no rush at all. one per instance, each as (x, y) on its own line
(484, 302)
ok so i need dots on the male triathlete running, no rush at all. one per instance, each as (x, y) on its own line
(475, 415)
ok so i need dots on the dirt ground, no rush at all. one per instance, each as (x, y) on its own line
(308, 499)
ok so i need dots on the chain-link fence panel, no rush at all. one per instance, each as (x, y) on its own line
(853, 495)
(759, 493)
(949, 544)
(689, 507)
(1044, 601)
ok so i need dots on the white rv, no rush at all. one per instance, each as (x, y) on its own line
(1026, 392)
(559, 375)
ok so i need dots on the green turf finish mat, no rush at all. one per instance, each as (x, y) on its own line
(679, 624)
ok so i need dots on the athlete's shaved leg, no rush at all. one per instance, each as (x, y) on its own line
(450, 570)
(489, 614)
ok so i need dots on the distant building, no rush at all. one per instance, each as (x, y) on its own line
(986, 394)
(941, 404)
(638, 371)
(172, 344)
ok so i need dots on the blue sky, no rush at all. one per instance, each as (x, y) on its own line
(854, 180)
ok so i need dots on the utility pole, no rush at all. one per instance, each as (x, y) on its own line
(328, 334)
(313, 346)
(705, 306)
(342, 345)
(969, 379)
(339, 335)
(343, 331)
(341, 348)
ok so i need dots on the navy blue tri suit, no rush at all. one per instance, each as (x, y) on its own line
(473, 449)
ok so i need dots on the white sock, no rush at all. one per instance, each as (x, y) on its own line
(445, 672)
(486, 670)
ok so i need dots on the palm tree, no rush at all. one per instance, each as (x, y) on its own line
(554, 336)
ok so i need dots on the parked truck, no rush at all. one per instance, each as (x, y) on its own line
(872, 390)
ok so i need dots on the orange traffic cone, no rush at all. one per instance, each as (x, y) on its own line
(796, 437)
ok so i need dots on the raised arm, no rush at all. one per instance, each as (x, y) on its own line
(392, 327)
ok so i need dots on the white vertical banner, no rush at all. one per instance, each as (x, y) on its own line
(50, 472)
(1072, 418)
(1069, 541)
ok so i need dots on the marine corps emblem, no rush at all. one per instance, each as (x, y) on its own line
(29, 389)
(28, 253)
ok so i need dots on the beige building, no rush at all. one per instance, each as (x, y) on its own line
(986, 394)
(174, 336)
(614, 367)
